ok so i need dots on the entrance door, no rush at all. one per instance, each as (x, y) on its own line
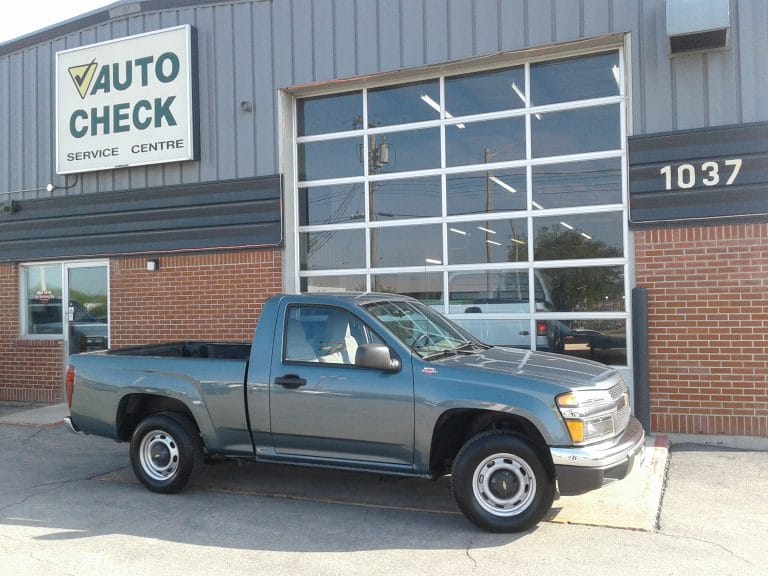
(86, 317)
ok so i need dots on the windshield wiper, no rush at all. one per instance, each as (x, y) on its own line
(466, 348)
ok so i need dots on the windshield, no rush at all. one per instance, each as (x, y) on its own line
(422, 329)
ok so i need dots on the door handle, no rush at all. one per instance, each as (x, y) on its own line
(291, 381)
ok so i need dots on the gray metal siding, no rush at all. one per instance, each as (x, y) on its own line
(250, 49)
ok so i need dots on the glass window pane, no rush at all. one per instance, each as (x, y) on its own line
(409, 198)
(332, 249)
(578, 236)
(577, 184)
(581, 78)
(325, 114)
(483, 142)
(352, 283)
(488, 241)
(407, 246)
(426, 286)
(404, 103)
(485, 92)
(493, 292)
(487, 191)
(576, 131)
(601, 340)
(43, 294)
(404, 151)
(330, 159)
(585, 289)
(511, 333)
(331, 204)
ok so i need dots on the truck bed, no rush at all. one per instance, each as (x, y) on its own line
(222, 350)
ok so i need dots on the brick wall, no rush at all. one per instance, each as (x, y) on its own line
(708, 327)
(30, 370)
(191, 297)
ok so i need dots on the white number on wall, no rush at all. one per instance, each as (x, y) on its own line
(684, 176)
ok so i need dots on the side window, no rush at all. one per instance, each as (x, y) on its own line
(323, 335)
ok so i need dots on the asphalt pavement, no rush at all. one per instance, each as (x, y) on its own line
(69, 505)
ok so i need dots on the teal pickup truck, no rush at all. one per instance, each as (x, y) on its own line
(369, 382)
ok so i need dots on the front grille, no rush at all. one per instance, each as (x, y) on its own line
(620, 395)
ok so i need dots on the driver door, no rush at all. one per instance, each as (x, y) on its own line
(323, 406)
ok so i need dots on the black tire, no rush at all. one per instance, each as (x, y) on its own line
(166, 452)
(516, 493)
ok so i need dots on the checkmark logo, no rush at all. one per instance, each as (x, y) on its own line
(82, 76)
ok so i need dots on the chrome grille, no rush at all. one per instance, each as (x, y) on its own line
(620, 395)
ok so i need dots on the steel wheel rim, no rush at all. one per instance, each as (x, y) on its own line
(159, 455)
(504, 485)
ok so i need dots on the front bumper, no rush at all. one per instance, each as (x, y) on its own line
(583, 468)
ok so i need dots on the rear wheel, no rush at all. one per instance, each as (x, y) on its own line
(500, 483)
(166, 452)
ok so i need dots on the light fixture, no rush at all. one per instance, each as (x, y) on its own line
(436, 107)
(516, 241)
(432, 261)
(153, 265)
(458, 231)
(587, 236)
(537, 205)
(615, 72)
(503, 184)
(486, 230)
(519, 93)
(566, 225)
(493, 242)
(50, 188)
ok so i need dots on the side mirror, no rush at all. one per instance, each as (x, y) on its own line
(377, 357)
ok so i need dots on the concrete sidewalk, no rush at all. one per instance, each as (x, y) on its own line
(26, 414)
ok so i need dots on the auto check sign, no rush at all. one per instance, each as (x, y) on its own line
(126, 102)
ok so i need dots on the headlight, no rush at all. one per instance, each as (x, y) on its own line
(588, 414)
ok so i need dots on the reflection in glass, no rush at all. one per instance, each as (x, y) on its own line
(412, 150)
(407, 246)
(488, 241)
(325, 114)
(586, 288)
(493, 292)
(331, 204)
(577, 183)
(483, 142)
(409, 198)
(511, 333)
(576, 131)
(43, 293)
(332, 249)
(426, 286)
(404, 103)
(578, 236)
(487, 191)
(485, 92)
(352, 283)
(593, 76)
(330, 159)
(601, 340)
(87, 309)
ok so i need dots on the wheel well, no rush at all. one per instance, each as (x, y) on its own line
(455, 427)
(134, 408)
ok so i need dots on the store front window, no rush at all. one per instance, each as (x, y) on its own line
(496, 197)
(68, 301)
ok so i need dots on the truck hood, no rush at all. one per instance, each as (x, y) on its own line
(539, 366)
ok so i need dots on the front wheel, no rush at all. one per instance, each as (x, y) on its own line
(500, 483)
(166, 452)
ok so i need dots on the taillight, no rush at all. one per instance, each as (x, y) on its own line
(70, 384)
(541, 328)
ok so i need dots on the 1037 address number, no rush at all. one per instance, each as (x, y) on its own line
(711, 173)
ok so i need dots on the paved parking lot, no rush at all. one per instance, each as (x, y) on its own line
(68, 505)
